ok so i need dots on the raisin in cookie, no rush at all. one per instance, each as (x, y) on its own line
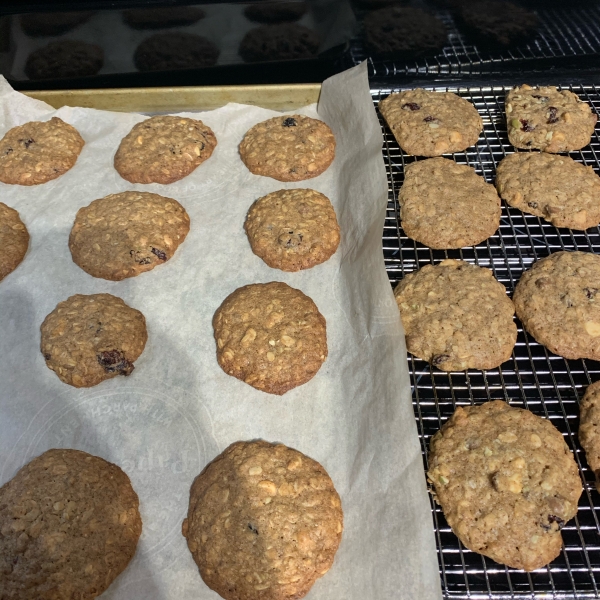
(175, 50)
(164, 149)
(558, 303)
(553, 187)
(271, 336)
(431, 123)
(445, 205)
(264, 522)
(123, 235)
(589, 428)
(456, 316)
(275, 12)
(284, 41)
(293, 229)
(288, 148)
(544, 118)
(14, 240)
(70, 524)
(162, 18)
(506, 481)
(87, 339)
(38, 151)
(64, 59)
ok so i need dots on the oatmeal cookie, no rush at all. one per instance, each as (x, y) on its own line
(270, 336)
(87, 339)
(69, 525)
(175, 50)
(64, 59)
(506, 481)
(264, 522)
(283, 41)
(14, 240)
(456, 316)
(589, 428)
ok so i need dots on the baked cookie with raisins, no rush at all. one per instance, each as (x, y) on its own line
(14, 240)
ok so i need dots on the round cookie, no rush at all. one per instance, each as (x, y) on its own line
(38, 151)
(544, 118)
(123, 235)
(431, 123)
(54, 23)
(264, 522)
(175, 50)
(162, 18)
(403, 32)
(275, 12)
(270, 336)
(87, 339)
(293, 229)
(64, 59)
(446, 205)
(456, 316)
(589, 428)
(70, 525)
(164, 149)
(284, 41)
(556, 188)
(506, 481)
(14, 240)
(558, 303)
(288, 148)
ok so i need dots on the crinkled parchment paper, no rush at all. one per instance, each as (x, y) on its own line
(178, 409)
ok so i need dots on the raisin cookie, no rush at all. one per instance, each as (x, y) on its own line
(431, 123)
(270, 336)
(288, 148)
(162, 18)
(54, 23)
(284, 41)
(548, 119)
(14, 240)
(87, 339)
(445, 205)
(556, 188)
(264, 522)
(38, 151)
(293, 229)
(164, 149)
(70, 524)
(275, 12)
(123, 235)
(506, 481)
(64, 59)
(556, 302)
(589, 428)
(175, 50)
(456, 316)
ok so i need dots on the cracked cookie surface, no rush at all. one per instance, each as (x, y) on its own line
(264, 522)
(558, 302)
(288, 148)
(69, 524)
(293, 229)
(446, 205)
(544, 118)
(38, 151)
(271, 336)
(164, 149)
(64, 59)
(456, 316)
(283, 41)
(589, 428)
(123, 235)
(14, 240)
(87, 339)
(428, 123)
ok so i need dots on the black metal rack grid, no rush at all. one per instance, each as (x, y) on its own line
(570, 32)
(533, 378)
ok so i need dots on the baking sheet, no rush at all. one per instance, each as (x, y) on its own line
(179, 409)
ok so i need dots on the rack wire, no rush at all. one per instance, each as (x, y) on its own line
(546, 384)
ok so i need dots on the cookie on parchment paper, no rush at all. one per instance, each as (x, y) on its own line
(64, 59)
(271, 336)
(456, 316)
(14, 240)
(446, 205)
(275, 12)
(164, 149)
(428, 123)
(38, 151)
(589, 428)
(548, 119)
(293, 229)
(288, 148)
(558, 302)
(123, 235)
(264, 522)
(87, 339)
(506, 481)
(161, 18)
(70, 524)
(283, 41)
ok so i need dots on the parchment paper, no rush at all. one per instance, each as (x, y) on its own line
(178, 409)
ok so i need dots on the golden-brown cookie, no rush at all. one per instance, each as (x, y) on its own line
(14, 240)
(589, 428)
(264, 522)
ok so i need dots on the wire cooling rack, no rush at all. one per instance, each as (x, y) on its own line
(533, 378)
